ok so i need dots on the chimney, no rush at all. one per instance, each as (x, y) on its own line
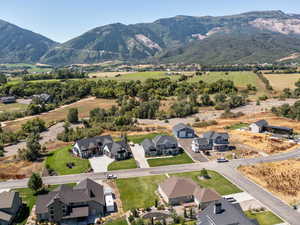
(218, 208)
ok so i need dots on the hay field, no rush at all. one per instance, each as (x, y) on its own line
(281, 81)
(281, 178)
(84, 106)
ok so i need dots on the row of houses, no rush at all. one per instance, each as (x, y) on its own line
(45, 98)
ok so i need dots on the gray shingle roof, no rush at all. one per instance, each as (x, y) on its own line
(201, 141)
(228, 216)
(261, 123)
(86, 190)
(93, 142)
(7, 199)
(214, 135)
(180, 126)
(148, 143)
(5, 216)
(163, 139)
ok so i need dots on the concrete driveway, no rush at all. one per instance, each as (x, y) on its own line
(100, 164)
(186, 144)
(139, 156)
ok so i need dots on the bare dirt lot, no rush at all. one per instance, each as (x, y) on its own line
(281, 178)
(84, 106)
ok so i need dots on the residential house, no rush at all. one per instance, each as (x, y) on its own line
(262, 126)
(223, 212)
(183, 131)
(161, 145)
(10, 205)
(102, 145)
(176, 191)
(66, 204)
(217, 141)
(8, 100)
(201, 144)
(45, 98)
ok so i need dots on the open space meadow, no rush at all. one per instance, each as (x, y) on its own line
(32, 68)
(84, 106)
(13, 107)
(282, 81)
(140, 192)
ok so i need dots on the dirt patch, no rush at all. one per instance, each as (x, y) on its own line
(281, 178)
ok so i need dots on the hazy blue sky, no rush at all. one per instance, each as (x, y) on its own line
(62, 20)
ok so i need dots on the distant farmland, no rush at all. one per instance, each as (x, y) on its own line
(281, 81)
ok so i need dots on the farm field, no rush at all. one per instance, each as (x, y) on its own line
(106, 74)
(264, 218)
(142, 76)
(216, 182)
(138, 192)
(122, 165)
(282, 81)
(281, 178)
(84, 106)
(33, 68)
(182, 158)
(59, 158)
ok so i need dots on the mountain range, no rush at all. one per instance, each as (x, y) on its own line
(253, 37)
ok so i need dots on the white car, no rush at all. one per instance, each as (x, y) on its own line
(222, 160)
(111, 176)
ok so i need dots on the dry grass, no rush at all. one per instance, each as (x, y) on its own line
(281, 178)
(84, 106)
(106, 74)
(281, 81)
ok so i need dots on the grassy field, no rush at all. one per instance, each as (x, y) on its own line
(182, 158)
(138, 139)
(216, 182)
(33, 68)
(117, 222)
(139, 192)
(122, 165)
(60, 157)
(237, 126)
(281, 81)
(264, 218)
(84, 106)
(240, 79)
(12, 107)
(142, 76)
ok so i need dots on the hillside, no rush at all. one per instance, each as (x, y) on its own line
(254, 37)
(20, 45)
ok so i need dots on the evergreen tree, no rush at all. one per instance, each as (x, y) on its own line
(73, 115)
(35, 182)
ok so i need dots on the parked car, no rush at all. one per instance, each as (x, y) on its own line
(222, 160)
(111, 176)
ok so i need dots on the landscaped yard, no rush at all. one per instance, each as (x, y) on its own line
(138, 139)
(58, 162)
(182, 158)
(264, 218)
(117, 222)
(237, 126)
(139, 192)
(216, 182)
(122, 165)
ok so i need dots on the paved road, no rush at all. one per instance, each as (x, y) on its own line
(227, 169)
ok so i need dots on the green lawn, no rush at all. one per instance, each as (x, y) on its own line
(139, 192)
(122, 165)
(182, 158)
(117, 222)
(138, 139)
(237, 126)
(264, 218)
(216, 182)
(142, 76)
(60, 157)
(240, 79)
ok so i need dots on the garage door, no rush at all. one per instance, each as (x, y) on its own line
(182, 134)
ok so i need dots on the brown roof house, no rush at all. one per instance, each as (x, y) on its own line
(84, 202)
(10, 204)
(176, 191)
